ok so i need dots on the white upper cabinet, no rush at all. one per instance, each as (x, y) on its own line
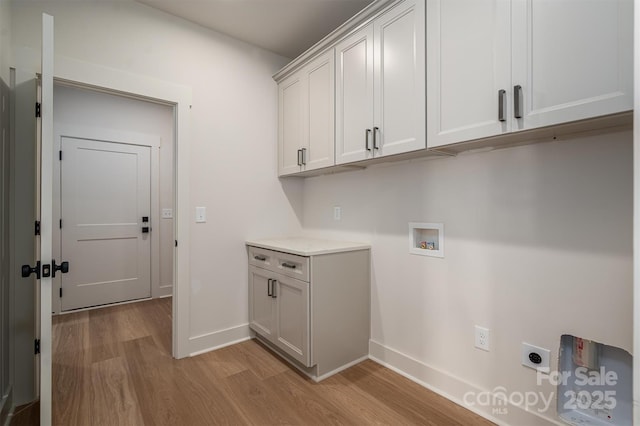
(573, 59)
(468, 64)
(354, 96)
(496, 66)
(380, 86)
(290, 124)
(306, 117)
(319, 116)
(399, 79)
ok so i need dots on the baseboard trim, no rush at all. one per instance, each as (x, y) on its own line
(218, 339)
(339, 369)
(451, 387)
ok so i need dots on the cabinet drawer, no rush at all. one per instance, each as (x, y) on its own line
(287, 264)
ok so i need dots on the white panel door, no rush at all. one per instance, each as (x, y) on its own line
(468, 45)
(573, 59)
(354, 96)
(292, 300)
(290, 135)
(399, 80)
(319, 110)
(105, 198)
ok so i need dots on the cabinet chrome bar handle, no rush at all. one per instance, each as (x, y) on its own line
(273, 288)
(517, 101)
(269, 288)
(376, 130)
(367, 132)
(299, 157)
(502, 102)
(304, 156)
(288, 265)
(260, 258)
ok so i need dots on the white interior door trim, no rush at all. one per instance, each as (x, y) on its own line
(46, 220)
(117, 136)
(83, 74)
(636, 218)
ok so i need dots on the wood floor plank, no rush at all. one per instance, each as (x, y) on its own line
(113, 366)
(113, 399)
(71, 369)
(152, 376)
(402, 397)
(309, 399)
(253, 356)
(258, 403)
(26, 415)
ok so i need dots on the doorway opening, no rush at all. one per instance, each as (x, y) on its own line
(113, 198)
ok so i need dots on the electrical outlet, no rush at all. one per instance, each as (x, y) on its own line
(482, 338)
(337, 213)
(535, 357)
(167, 213)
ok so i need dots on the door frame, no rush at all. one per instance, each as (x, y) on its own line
(113, 136)
(121, 83)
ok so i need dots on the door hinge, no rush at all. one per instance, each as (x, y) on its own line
(60, 224)
(60, 155)
(38, 110)
(60, 291)
(36, 346)
(176, 243)
(37, 227)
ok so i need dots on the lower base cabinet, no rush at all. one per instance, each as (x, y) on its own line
(313, 310)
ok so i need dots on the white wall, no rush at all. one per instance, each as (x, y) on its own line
(232, 131)
(86, 108)
(538, 243)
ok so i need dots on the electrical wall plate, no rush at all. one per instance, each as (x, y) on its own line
(536, 357)
(201, 214)
(482, 338)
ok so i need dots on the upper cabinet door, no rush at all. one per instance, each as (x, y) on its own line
(354, 96)
(399, 77)
(319, 112)
(469, 63)
(290, 114)
(573, 59)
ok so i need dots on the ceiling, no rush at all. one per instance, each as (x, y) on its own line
(285, 27)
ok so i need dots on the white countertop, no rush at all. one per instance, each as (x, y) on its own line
(307, 246)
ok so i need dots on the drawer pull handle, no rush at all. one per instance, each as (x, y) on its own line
(269, 288)
(260, 258)
(288, 265)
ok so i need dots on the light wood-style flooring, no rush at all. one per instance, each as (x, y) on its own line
(113, 366)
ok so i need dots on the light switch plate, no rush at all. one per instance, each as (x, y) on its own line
(167, 213)
(201, 214)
